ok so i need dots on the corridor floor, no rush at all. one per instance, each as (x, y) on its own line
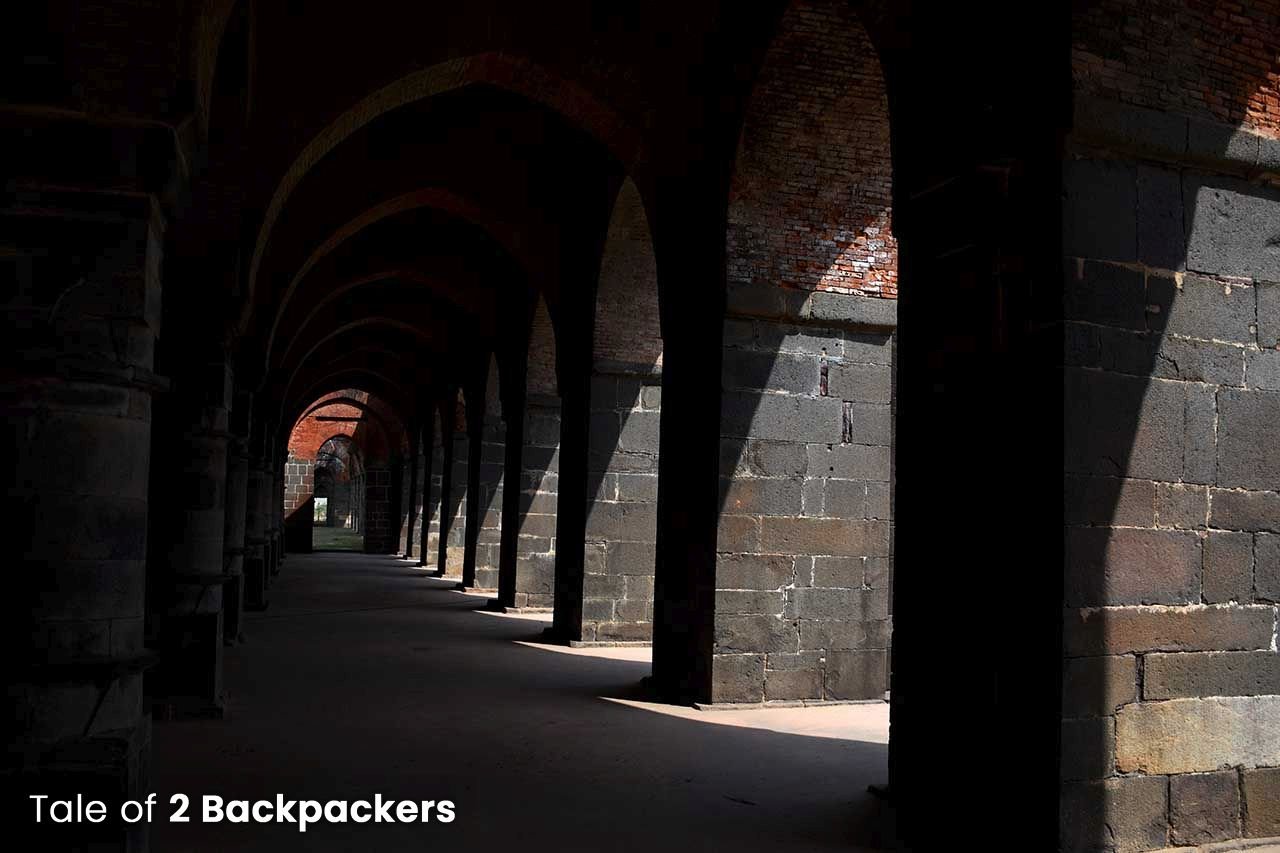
(365, 676)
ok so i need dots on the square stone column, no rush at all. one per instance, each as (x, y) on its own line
(83, 313)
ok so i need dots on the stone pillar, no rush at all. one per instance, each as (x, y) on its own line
(471, 527)
(83, 315)
(379, 537)
(458, 502)
(255, 537)
(234, 528)
(413, 494)
(539, 495)
(622, 482)
(490, 478)
(429, 493)
(445, 511)
(188, 527)
(803, 558)
(512, 495)
(1170, 721)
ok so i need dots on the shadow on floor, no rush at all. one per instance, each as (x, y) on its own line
(369, 678)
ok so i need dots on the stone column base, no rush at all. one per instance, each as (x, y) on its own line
(111, 766)
(187, 683)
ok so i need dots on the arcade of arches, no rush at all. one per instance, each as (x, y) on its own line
(760, 334)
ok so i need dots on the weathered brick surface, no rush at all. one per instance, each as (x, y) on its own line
(1166, 55)
(812, 190)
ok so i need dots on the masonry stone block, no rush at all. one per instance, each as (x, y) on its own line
(1107, 294)
(1266, 567)
(780, 416)
(737, 602)
(1125, 815)
(1200, 361)
(634, 610)
(1204, 807)
(819, 603)
(1181, 506)
(1110, 500)
(621, 522)
(754, 634)
(1231, 226)
(1246, 447)
(1228, 567)
(848, 462)
(1204, 308)
(1198, 674)
(1125, 630)
(1162, 242)
(1098, 685)
(1124, 426)
(761, 496)
(837, 537)
(862, 383)
(1260, 790)
(631, 558)
(1244, 510)
(775, 458)
(857, 674)
(1263, 370)
(844, 634)
(637, 487)
(793, 684)
(877, 571)
(1197, 735)
(755, 370)
(839, 572)
(1099, 210)
(738, 533)
(1132, 566)
(1200, 450)
(737, 678)
(782, 338)
(870, 423)
(864, 348)
(754, 571)
(1268, 294)
(1088, 747)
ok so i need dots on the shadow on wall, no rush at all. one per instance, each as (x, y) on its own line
(802, 599)
(1171, 479)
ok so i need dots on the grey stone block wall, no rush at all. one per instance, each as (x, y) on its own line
(539, 496)
(622, 518)
(431, 557)
(1172, 484)
(492, 462)
(456, 505)
(803, 547)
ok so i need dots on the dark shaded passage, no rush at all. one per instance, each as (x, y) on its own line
(367, 676)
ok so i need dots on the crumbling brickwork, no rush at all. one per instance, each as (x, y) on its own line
(1214, 59)
(812, 194)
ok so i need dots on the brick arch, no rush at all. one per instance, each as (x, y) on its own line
(512, 73)
(628, 323)
(353, 326)
(541, 368)
(810, 202)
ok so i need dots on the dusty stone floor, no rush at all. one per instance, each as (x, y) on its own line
(367, 677)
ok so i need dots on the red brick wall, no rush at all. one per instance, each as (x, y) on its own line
(628, 328)
(311, 432)
(1211, 58)
(812, 189)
